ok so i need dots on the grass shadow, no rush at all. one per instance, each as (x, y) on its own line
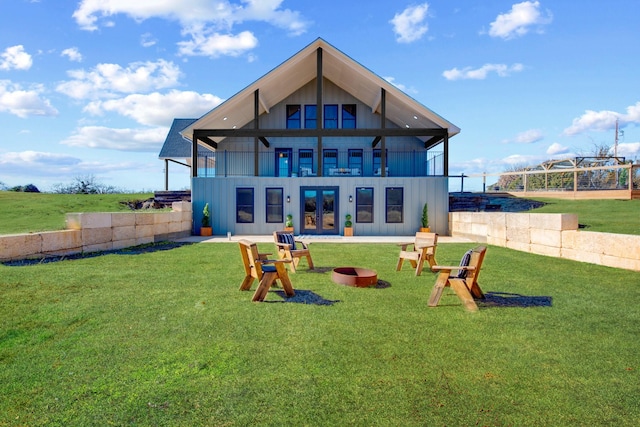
(303, 296)
(132, 250)
(504, 299)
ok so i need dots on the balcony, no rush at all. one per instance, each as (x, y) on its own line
(342, 163)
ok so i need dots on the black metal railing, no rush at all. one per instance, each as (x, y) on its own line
(341, 163)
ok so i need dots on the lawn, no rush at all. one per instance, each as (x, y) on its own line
(32, 212)
(609, 216)
(165, 338)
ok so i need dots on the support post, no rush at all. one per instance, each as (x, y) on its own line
(256, 125)
(383, 139)
(319, 106)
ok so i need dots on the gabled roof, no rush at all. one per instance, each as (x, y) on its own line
(301, 69)
(175, 145)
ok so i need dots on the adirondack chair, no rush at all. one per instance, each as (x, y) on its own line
(464, 283)
(267, 271)
(423, 248)
(291, 249)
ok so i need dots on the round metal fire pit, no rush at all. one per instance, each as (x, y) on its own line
(354, 276)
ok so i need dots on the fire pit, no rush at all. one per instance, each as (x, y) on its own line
(354, 276)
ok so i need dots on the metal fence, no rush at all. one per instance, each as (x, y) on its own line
(597, 178)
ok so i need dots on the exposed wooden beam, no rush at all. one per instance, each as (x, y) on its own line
(434, 140)
(327, 133)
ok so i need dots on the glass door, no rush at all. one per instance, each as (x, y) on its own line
(283, 162)
(319, 210)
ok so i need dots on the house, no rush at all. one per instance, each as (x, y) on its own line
(318, 137)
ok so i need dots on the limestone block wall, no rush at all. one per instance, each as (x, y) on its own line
(92, 232)
(554, 235)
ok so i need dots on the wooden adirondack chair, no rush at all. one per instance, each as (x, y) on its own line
(464, 282)
(423, 249)
(265, 270)
(291, 249)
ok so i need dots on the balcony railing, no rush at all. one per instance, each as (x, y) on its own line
(398, 164)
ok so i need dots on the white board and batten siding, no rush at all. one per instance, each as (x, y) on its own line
(220, 193)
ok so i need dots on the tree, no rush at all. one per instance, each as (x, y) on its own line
(87, 184)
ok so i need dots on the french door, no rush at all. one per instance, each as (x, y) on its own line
(319, 210)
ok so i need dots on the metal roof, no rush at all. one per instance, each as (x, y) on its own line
(175, 145)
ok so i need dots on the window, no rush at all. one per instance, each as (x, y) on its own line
(349, 116)
(310, 116)
(329, 160)
(395, 204)
(330, 116)
(293, 116)
(377, 161)
(275, 202)
(355, 160)
(364, 204)
(305, 161)
(244, 205)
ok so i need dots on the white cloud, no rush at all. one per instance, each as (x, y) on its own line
(215, 45)
(392, 80)
(603, 120)
(33, 159)
(518, 21)
(556, 149)
(481, 73)
(142, 140)
(24, 103)
(147, 40)
(107, 79)
(73, 54)
(156, 109)
(629, 149)
(527, 137)
(15, 58)
(201, 20)
(409, 25)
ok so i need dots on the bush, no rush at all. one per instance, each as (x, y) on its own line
(29, 188)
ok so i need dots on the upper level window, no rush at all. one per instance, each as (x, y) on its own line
(305, 161)
(355, 159)
(293, 116)
(329, 160)
(310, 116)
(349, 116)
(244, 205)
(330, 116)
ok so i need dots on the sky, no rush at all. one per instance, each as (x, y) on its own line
(90, 88)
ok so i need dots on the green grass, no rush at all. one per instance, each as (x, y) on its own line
(610, 216)
(166, 338)
(31, 212)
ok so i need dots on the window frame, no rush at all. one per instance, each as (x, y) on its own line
(348, 122)
(329, 118)
(325, 165)
(250, 207)
(278, 205)
(293, 110)
(387, 205)
(310, 122)
(360, 204)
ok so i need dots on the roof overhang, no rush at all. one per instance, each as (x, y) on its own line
(239, 110)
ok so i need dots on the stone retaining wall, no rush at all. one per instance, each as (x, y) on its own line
(554, 235)
(92, 232)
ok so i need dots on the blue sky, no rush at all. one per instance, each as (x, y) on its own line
(91, 87)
